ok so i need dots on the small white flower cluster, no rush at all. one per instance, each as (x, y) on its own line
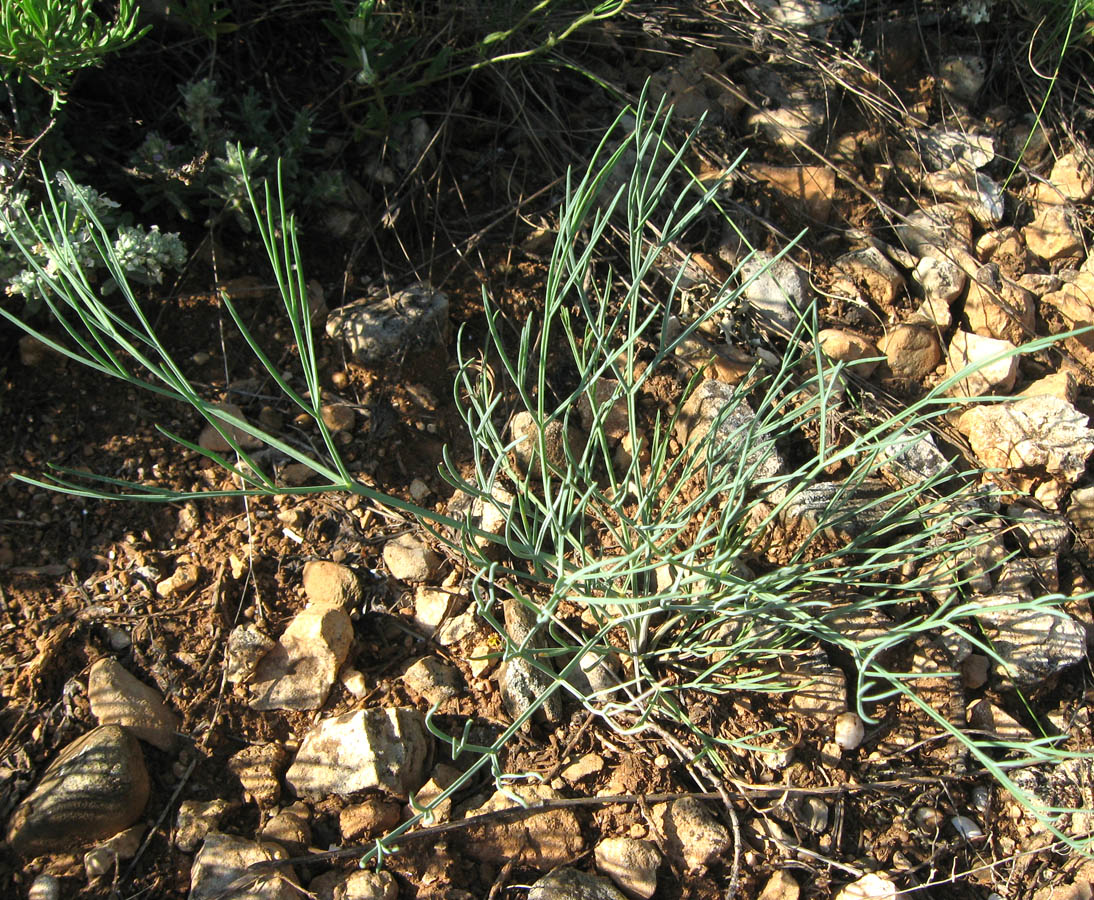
(975, 12)
(143, 254)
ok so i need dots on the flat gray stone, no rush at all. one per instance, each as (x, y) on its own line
(691, 832)
(96, 787)
(777, 289)
(380, 330)
(571, 884)
(1033, 644)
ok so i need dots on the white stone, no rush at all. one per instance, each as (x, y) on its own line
(775, 288)
(378, 331)
(631, 863)
(994, 364)
(385, 749)
(300, 670)
(1033, 644)
(869, 887)
(849, 730)
(409, 558)
(224, 858)
(691, 832)
(1040, 432)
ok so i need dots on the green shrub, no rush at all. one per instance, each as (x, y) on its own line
(49, 41)
(661, 568)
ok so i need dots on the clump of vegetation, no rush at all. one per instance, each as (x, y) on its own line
(71, 231)
(654, 564)
(49, 41)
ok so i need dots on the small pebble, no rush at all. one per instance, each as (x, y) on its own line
(45, 887)
(813, 813)
(98, 862)
(928, 819)
(849, 730)
(967, 828)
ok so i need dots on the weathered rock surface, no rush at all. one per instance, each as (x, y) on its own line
(559, 438)
(196, 819)
(409, 558)
(777, 289)
(433, 679)
(224, 858)
(848, 347)
(571, 884)
(259, 768)
(117, 698)
(630, 863)
(993, 371)
(330, 584)
(873, 274)
(998, 309)
(247, 645)
(869, 887)
(780, 886)
(1033, 644)
(692, 834)
(300, 670)
(738, 431)
(97, 786)
(370, 818)
(379, 330)
(911, 351)
(1054, 233)
(1040, 432)
(944, 225)
(542, 839)
(385, 749)
(521, 682)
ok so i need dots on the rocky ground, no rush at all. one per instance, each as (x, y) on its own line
(196, 688)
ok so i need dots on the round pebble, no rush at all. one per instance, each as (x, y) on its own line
(849, 730)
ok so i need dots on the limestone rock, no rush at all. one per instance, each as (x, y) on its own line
(364, 885)
(370, 818)
(995, 364)
(330, 584)
(521, 683)
(196, 819)
(1040, 432)
(1071, 181)
(290, 829)
(869, 887)
(873, 274)
(409, 558)
(380, 330)
(566, 883)
(941, 280)
(247, 645)
(776, 289)
(300, 670)
(692, 835)
(911, 351)
(259, 768)
(780, 886)
(558, 439)
(847, 347)
(224, 858)
(117, 698)
(998, 310)
(1033, 644)
(433, 679)
(738, 434)
(961, 77)
(385, 749)
(630, 863)
(943, 225)
(974, 191)
(97, 786)
(541, 840)
(1054, 233)
(1039, 533)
